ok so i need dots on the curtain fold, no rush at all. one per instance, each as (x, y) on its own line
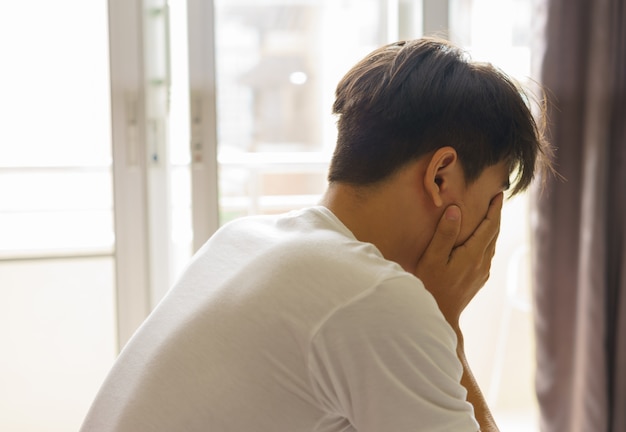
(579, 233)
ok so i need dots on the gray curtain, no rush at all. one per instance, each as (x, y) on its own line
(579, 229)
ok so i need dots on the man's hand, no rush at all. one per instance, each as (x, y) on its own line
(455, 275)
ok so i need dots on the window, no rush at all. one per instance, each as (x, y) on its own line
(57, 307)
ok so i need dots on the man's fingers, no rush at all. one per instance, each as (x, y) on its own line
(487, 232)
(444, 239)
(495, 207)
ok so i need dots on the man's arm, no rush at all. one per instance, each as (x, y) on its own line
(454, 276)
(474, 395)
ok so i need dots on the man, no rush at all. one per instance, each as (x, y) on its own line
(345, 316)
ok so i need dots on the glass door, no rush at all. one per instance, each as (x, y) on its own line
(57, 273)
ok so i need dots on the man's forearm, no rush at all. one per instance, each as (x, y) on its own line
(474, 394)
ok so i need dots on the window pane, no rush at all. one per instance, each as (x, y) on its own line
(62, 210)
(55, 140)
(277, 67)
(56, 315)
(505, 42)
(54, 84)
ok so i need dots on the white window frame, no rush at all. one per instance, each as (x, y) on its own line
(203, 120)
(128, 123)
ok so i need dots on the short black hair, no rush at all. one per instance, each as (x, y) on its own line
(409, 98)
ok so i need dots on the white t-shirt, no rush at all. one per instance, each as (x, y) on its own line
(287, 324)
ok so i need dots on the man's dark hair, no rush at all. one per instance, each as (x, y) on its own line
(409, 98)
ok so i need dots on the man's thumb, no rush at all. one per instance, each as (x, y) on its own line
(453, 213)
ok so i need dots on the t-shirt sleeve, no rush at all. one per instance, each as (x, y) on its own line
(386, 361)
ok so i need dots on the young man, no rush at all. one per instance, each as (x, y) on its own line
(345, 316)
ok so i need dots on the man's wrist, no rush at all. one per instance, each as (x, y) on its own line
(459, 336)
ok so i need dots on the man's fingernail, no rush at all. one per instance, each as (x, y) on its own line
(453, 213)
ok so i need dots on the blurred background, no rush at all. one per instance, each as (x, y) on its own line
(131, 130)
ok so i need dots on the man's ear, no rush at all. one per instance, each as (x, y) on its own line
(440, 173)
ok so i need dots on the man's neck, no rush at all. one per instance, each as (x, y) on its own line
(392, 216)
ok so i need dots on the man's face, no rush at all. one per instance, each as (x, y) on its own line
(475, 198)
